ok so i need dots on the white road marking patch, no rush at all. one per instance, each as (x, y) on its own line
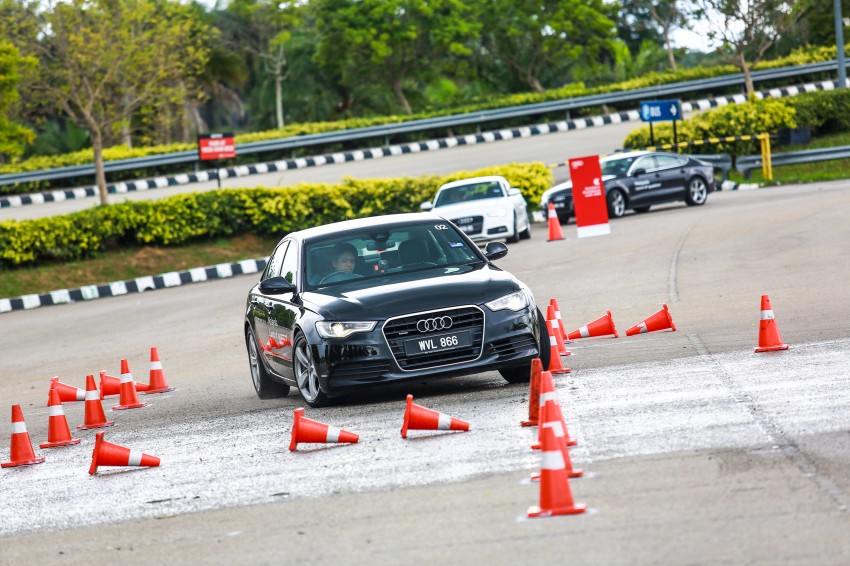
(616, 412)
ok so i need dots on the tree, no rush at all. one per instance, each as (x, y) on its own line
(747, 28)
(102, 60)
(391, 40)
(666, 15)
(13, 136)
(534, 35)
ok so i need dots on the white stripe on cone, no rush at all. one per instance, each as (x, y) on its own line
(333, 434)
(767, 315)
(553, 460)
(126, 377)
(80, 394)
(93, 395)
(18, 428)
(546, 396)
(444, 422)
(583, 332)
(56, 411)
(554, 323)
(156, 365)
(556, 427)
(552, 342)
(135, 458)
(642, 327)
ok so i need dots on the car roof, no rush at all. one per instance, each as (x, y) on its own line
(364, 223)
(471, 180)
(626, 154)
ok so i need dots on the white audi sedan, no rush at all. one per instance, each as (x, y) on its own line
(484, 208)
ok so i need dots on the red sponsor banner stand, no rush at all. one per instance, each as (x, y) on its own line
(212, 147)
(591, 209)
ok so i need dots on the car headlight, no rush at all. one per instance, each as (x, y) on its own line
(501, 213)
(328, 329)
(515, 302)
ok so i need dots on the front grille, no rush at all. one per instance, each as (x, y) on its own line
(365, 371)
(397, 330)
(510, 347)
(470, 224)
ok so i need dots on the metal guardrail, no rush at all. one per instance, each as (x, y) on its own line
(721, 161)
(746, 163)
(437, 123)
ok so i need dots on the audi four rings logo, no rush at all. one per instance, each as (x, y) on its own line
(432, 324)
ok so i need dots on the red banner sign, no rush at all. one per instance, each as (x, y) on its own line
(591, 209)
(216, 146)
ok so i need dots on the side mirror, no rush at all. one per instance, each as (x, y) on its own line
(638, 172)
(514, 192)
(426, 205)
(276, 286)
(495, 250)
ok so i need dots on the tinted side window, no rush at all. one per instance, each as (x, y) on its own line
(289, 267)
(275, 261)
(665, 161)
(647, 163)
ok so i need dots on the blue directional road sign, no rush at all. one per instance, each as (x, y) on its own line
(660, 110)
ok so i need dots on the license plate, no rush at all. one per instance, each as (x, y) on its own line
(467, 220)
(437, 343)
(468, 229)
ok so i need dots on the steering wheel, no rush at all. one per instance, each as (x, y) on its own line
(338, 276)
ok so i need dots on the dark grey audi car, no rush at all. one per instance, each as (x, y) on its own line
(407, 297)
(639, 179)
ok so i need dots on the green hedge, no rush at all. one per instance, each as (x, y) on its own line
(810, 55)
(182, 218)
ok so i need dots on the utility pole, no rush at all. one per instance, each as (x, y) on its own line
(839, 44)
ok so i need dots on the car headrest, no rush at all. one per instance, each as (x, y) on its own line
(413, 251)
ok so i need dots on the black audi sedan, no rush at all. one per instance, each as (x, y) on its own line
(407, 297)
(639, 179)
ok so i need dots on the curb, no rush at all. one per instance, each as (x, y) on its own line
(393, 150)
(137, 285)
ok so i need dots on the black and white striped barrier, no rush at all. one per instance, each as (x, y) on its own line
(137, 285)
(393, 150)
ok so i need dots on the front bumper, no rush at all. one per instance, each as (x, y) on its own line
(507, 339)
(481, 228)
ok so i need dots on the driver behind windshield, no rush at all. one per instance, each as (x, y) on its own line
(344, 257)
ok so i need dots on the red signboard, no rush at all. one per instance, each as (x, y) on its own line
(591, 210)
(216, 146)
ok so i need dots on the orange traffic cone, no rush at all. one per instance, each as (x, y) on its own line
(128, 398)
(556, 497)
(554, 303)
(58, 433)
(658, 321)
(548, 395)
(551, 418)
(602, 326)
(20, 446)
(555, 232)
(417, 417)
(308, 430)
(769, 338)
(534, 393)
(67, 393)
(108, 454)
(157, 377)
(555, 365)
(111, 385)
(556, 330)
(94, 417)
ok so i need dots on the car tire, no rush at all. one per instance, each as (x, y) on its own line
(264, 386)
(522, 373)
(306, 377)
(515, 238)
(641, 209)
(616, 203)
(526, 234)
(697, 192)
(564, 218)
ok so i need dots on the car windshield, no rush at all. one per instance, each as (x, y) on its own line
(385, 252)
(617, 166)
(464, 193)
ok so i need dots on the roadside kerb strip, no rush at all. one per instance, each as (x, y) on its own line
(387, 151)
(137, 285)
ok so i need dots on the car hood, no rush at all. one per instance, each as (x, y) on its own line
(544, 198)
(384, 297)
(471, 208)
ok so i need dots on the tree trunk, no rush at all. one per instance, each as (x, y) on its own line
(278, 99)
(535, 84)
(396, 84)
(670, 57)
(99, 172)
(748, 77)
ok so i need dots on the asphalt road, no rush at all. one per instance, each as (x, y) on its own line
(696, 450)
(551, 148)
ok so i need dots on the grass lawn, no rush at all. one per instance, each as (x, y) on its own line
(130, 263)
